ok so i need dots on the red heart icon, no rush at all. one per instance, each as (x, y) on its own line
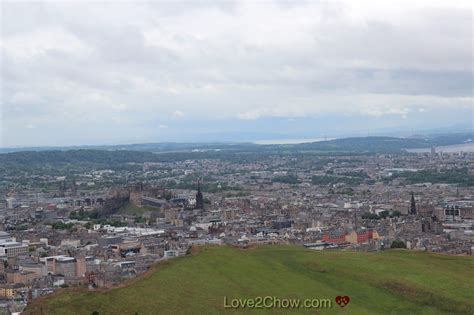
(342, 300)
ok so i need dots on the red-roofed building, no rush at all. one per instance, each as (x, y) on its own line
(335, 237)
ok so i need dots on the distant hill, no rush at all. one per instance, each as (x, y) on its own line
(104, 157)
(389, 282)
(373, 144)
(387, 144)
(356, 144)
(117, 157)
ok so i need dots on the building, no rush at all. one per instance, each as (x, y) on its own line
(431, 225)
(17, 276)
(426, 210)
(199, 198)
(335, 237)
(154, 202)
(9, 247)
(69, 267)
(361, 236)
(66, 266)
(11, 203)
(412, 204)
(456, 212)
(32, 266)
(7, 292)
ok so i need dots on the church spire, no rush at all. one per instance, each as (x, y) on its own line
(412, 204)
(199, 197)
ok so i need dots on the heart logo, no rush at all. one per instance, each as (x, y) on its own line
(342, 300)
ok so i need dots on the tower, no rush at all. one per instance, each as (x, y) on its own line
(412, 204)
(199, 198)
(62, 188)
(74, 187)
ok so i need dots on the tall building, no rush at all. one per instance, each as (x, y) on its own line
(412, 204)
(199, 198)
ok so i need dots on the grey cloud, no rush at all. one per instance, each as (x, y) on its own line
(138, 63)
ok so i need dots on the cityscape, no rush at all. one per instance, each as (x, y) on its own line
(97, 227)
(236, 156)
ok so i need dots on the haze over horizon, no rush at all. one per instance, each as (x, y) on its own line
(111, 73)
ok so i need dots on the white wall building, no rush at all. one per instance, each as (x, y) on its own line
(9, 247)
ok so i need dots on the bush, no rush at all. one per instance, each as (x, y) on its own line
(384, 214)
(62, 226)
(398, 244)
(286, 179)
(370, 216)
(395, 214)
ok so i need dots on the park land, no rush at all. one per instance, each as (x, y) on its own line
(388, 282)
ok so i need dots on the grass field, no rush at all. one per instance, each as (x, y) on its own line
(390, 282)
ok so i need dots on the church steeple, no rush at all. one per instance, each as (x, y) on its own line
(199, 197)
(412, 204)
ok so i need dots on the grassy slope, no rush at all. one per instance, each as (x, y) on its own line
(392, 282)
(130, 209)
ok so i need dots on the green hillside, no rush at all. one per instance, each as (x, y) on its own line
(390, 282)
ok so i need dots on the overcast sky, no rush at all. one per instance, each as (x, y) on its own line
(118, 72)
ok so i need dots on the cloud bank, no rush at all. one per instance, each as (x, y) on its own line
(87, 73)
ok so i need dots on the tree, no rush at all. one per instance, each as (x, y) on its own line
(370, 216)
(168, 195)
(384, 214)
(287, 179)
(62, 226)
(398, 244)
(396, 214)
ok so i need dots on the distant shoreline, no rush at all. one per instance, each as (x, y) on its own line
(292, 141)
(466, 147)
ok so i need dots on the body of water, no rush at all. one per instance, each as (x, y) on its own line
(292, 141)
(466, 147)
